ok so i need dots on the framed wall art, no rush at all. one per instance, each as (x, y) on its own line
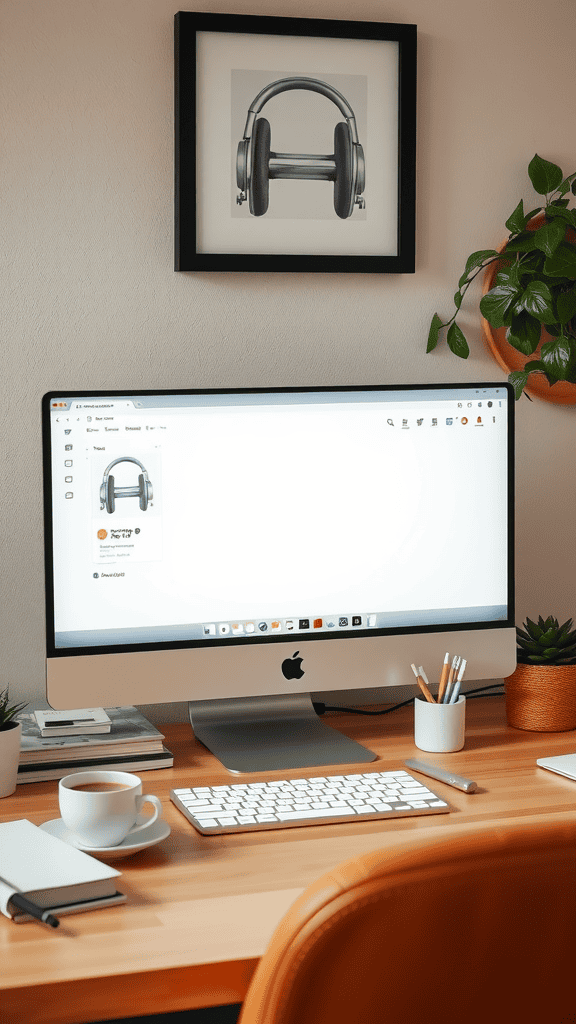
(295, 144)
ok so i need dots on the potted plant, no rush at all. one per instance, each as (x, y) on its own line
(541, 692)
(529, 304)
(10, 736)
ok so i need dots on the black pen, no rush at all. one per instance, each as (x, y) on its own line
(20, 901)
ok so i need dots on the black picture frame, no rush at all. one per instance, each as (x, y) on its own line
(217, 58)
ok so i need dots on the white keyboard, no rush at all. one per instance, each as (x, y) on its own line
(317, 800)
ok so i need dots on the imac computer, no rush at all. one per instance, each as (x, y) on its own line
(242, 549)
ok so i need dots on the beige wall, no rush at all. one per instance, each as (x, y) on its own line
(89, 297)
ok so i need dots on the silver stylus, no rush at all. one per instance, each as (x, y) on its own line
(442, 775)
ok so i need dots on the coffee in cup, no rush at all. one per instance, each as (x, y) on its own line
(101, 808)
(99, 787)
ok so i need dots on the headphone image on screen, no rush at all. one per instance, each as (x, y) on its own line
(256, 164)
(109, 492)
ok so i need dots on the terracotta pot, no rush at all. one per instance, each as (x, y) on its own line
(561, 393)
(542, 698)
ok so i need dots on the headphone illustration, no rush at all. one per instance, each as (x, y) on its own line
(109, 493)
(256, 164)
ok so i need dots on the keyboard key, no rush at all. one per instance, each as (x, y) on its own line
(322, 812)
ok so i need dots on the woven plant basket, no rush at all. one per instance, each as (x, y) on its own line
(542, 698)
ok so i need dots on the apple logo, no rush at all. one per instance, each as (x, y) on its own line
(291, 667)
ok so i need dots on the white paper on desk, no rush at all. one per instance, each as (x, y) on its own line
(564, 764)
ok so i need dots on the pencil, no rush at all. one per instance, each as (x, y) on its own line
(420, 676)
(427, 687)
(453, 667)
(456, 690)
(444, 676)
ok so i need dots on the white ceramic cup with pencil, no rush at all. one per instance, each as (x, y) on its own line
(439, 721)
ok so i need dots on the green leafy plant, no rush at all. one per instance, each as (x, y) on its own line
(546, 643)
(535, 284)
(7, 712)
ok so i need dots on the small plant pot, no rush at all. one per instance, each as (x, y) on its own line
(541, 698)
(562, 392)
(9, 757)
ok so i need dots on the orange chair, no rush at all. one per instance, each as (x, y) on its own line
(478, 929)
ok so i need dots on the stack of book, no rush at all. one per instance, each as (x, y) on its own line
(133, 744)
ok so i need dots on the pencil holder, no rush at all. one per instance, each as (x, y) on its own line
(439, 727)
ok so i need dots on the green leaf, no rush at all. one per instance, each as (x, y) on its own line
(523, 242)
(545, 176)
(549, 236)
(565, 186)
(510, 276)
(563, 262)
(534, 630)
(478, 258)
(558, 357)
(457, 342)
(433, 333)
(524, 333)
(559, 213)
(537, 300)
(496, 304)
(518, 379)
(516, 222)
(566, 305)
(458, 299)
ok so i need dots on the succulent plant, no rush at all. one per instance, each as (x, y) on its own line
(546, 643)
(7, 712)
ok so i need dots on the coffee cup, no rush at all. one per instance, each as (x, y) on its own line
(101, 808)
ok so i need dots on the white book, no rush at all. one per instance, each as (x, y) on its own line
(563, 764)
(75, 722)
(50, 873)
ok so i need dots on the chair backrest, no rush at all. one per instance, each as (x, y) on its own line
(478, 929)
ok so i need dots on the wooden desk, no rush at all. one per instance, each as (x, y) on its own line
(201, 910)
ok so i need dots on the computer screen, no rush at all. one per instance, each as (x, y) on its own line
(241, 549)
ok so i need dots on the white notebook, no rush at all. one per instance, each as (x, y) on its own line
(563, 764)
(50, 872)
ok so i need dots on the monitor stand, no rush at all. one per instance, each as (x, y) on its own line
(272, 733)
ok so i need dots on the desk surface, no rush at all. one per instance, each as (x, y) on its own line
(200, 910)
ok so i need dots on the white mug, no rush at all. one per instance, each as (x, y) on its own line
(101, 807)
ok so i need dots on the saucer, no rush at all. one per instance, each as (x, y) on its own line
(132, 844)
